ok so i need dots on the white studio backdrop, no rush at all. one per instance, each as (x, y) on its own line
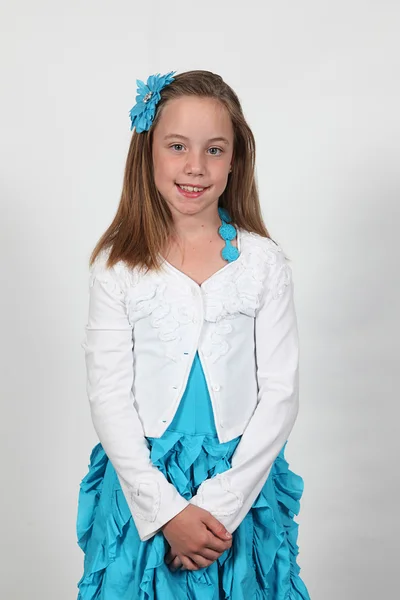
(319, 85)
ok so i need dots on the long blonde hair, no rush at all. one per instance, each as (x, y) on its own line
(143, 221)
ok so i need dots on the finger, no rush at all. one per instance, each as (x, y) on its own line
(188, 563)
(169, 557)
(207, 554)
(216, 527)
(216, 544)
(175, 564)
(200, 561)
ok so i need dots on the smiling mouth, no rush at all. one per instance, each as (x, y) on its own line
(192, 188)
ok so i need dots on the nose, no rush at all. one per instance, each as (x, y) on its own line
(195, 163)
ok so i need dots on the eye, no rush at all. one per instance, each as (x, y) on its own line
(175, 145)
(218, 149)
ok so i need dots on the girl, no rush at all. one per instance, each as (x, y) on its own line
(192, 356)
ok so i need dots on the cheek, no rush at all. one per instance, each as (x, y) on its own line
(165, 168)
(221, 170)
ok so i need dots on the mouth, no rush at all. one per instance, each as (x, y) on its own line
(191, 191)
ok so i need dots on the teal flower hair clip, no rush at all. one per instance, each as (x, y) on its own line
(142, 114)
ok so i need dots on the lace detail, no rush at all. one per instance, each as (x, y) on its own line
(282, 280)
(222, 499)
(108, 277)
(146, 494)
(239, 291)
(215, 345)
(235, 291)
(120, 279)
(166, 316)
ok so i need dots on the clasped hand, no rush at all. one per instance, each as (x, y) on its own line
(196, 539)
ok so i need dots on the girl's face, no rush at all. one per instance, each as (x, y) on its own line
(192, 146)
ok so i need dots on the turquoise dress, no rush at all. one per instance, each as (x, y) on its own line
(261, 563)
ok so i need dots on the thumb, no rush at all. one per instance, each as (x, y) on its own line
(217, 527)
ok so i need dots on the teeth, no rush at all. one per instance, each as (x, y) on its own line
(189, 188)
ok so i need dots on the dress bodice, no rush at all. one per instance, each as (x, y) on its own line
(195, 414)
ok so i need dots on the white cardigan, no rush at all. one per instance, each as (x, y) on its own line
(142, 334)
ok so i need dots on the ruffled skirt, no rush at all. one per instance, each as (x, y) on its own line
(261, 563)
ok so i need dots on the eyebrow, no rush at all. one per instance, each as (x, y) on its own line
(182, 137)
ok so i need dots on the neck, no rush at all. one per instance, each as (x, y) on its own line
(189, 229)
